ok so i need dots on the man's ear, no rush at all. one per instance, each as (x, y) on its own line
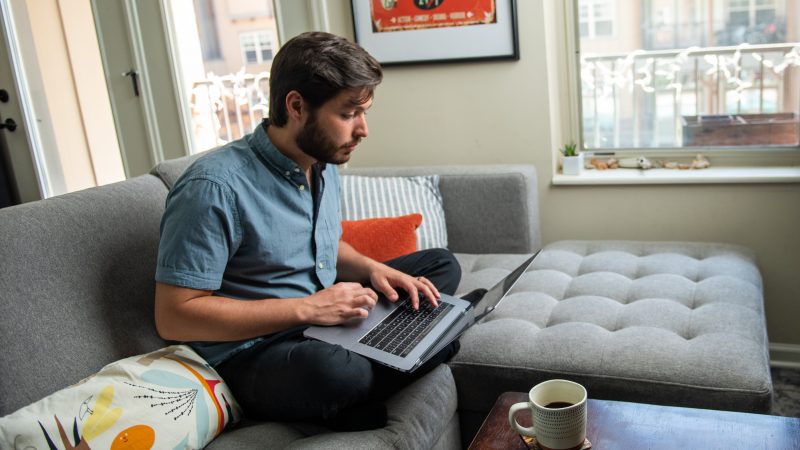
(295, 105)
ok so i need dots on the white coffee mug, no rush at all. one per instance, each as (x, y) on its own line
(558, 408)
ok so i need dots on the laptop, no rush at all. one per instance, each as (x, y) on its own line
(396, 335)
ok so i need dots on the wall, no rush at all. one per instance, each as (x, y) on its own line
(497, 112)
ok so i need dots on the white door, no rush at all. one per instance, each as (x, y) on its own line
(50, 68)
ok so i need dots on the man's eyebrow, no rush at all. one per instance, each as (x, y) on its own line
(358, 105)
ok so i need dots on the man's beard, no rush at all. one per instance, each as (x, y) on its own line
(313, 141)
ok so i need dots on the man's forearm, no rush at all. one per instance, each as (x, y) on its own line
(352, 265)
(184, 314)
(190, 315)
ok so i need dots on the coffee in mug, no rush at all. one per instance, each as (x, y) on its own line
(558, 408)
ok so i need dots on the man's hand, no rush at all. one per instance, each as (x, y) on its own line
(387, 280)
(336, 304)
(352, 265)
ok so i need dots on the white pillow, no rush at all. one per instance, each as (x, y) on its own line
(168, 399)
(369, 197)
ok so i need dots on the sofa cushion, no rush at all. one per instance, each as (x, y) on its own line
(169, 398)
(367, 197)
(76, 288)
(653, 322)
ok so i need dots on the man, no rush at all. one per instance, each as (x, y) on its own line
(250, 250)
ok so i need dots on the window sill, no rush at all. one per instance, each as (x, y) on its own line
(712, 175)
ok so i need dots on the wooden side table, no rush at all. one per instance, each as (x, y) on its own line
(622, 425)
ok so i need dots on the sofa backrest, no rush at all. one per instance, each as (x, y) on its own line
(488, 209)
(76, 285)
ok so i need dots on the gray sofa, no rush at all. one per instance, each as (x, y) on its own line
(669, 323)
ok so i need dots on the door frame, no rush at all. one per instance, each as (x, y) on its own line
(18, 148)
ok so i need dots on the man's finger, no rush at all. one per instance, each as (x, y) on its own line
(355, 312)
(426, 291)
(431, 286)
(365, 300)
(387, 290)
(413, 293)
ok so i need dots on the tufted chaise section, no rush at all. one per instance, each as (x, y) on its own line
(653, 322)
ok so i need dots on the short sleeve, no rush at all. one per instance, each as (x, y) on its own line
(199, 234)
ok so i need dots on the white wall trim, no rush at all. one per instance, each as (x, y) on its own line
(784, 355)
(181, 96)
(319, 15)
(145, 87)
(712, 175)
(278, 13)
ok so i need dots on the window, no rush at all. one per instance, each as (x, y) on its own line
(256, 47)
(223, 51)
(690, 73)
(596, 18)
(752, 21)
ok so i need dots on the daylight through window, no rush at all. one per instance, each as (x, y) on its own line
(665, 74)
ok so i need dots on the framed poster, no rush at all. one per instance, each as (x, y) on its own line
(421, 31)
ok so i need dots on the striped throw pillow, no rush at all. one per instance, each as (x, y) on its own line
(369, 197)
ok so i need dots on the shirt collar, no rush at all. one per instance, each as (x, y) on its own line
(259, 140)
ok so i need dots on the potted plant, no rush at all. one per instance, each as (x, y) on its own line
(572, 162)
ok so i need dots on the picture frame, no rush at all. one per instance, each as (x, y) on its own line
(433, 31)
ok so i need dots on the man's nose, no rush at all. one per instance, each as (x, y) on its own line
(361, 127)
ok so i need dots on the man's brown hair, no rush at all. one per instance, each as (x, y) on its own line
(319, 65)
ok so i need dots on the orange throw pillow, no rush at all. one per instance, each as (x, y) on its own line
(383, 238)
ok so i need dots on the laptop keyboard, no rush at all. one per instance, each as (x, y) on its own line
(404, 328)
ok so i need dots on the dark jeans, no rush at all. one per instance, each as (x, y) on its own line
(300, 379)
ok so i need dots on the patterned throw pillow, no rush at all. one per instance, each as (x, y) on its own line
(369, 197)
(169, 399)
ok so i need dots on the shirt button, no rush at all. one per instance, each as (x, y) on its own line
(297, 169)
(287, 173)
(301, 187)
(321, 265)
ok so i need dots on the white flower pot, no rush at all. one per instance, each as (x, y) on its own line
(572, 165)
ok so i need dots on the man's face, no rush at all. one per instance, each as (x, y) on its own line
(332, 131)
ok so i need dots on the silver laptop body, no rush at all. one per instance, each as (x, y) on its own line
(454, 317)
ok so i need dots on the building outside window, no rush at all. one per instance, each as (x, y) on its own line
(596, 18)
(752, 21)
(690, 73)
(256, 47)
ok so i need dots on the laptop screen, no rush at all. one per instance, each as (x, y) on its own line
(493, 296)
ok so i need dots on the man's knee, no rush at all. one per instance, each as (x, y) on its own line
(444, 266)
(334, 374)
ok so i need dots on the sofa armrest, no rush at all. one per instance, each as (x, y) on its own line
(488, 209)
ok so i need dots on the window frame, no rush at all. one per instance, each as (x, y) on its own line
(752, 9)
(563, 67)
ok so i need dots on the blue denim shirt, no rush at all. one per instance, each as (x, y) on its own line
(241, 222)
